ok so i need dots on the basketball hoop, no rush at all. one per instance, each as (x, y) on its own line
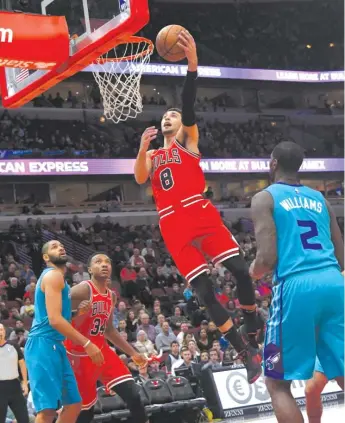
(118, 77)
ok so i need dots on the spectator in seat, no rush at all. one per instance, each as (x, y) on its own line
(203, 342)
(186, 338)
(224, 296)
(204, 357)
(120, 313)
(30, 293)
(156, 312)
(176, 296)
(143, 280)
(165, 338)
(123, 328)
(27, 274)
(137, 260)
(229, 357)
(81, 275)
(160, 321)
(28, 309)
(132, 322)
(147, 327)
(15, 289)
(144, 345)
(194, 351)
(173, 356)
(76, 226)
(234, 312)
(180, 336)
(185, 362)
(154, 370)
(175, 277)
(214, 362)
(19, 337)
(128, 278)
(19, 325)
(149, 247)
(15, 314)
(160, 280)
(167, 268)
(216, 346)
(149, 256)
(177, 319)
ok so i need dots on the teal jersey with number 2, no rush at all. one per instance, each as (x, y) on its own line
(303, 230)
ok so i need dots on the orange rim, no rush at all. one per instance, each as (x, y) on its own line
(128, 40)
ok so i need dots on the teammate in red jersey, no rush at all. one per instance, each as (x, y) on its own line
(95, 304)
(190, 225)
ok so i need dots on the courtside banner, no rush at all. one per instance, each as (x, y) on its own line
(161, 69)
(66, 167)
(238, 398)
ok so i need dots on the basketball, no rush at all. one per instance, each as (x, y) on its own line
(166, 43)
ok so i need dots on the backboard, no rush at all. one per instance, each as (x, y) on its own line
(95, 27)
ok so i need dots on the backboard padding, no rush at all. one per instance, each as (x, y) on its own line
(84, 50)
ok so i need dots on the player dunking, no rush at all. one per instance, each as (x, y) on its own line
(95, 321)
(298, 236)
(190, 225)
(52, 381)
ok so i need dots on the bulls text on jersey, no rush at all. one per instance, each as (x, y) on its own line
(101, 307)
(166, 157)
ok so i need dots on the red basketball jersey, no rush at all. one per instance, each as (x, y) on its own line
(93, 323)
(176, 175)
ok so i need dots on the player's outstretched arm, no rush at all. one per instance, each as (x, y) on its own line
(54, 283)
(189, 133)
(143, 165)
(337, 239)
(80, 296)
(265, 234)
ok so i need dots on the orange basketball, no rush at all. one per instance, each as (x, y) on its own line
(166, 43)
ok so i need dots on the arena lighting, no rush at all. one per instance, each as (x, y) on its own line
(102, 119)
(308, 46)
(331, 44)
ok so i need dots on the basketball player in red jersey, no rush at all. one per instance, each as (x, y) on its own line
(95, 304)
(190, 225)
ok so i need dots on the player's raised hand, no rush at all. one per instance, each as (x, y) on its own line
(148, 135)
(187, 43)
(95, 354)
(83, 307)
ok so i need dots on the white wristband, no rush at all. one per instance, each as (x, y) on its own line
(87, 343)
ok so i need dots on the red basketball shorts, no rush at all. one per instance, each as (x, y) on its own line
(193, 230)
(111, 373)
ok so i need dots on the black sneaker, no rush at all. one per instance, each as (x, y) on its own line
(251, 359)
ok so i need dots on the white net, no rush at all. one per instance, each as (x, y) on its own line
(118, 76)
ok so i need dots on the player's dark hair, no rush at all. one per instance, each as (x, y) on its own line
(175, 109)
(98, 253)
(289, 156)
(45, 248)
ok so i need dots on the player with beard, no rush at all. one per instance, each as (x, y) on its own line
(94, 304)
(52, 381)
(191, 226)
(298, 238)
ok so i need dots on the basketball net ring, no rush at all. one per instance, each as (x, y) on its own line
(118, 78)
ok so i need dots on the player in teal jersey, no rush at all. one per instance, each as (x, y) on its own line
(298, 238)
(51, 377)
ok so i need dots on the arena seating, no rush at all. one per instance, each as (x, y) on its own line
(161, 399)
